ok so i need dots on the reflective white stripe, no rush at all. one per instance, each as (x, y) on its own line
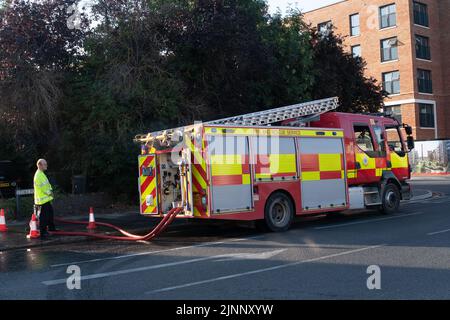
(42, 184)
(44, 200)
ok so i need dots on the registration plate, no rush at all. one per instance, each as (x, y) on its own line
(4, 184)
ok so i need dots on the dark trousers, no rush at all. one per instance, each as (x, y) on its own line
(46, 217)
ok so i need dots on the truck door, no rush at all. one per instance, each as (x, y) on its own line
(148, 184)
(231, 189)
(370, 154)
(323, 173)
(397, 154)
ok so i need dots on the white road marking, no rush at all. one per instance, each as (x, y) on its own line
(435, 200)
(282, 266)
(367, 221)
(438, 232)
(238, 256)
(157, 251)
(251, 256)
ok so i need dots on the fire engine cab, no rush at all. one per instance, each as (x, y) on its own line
(273, 165)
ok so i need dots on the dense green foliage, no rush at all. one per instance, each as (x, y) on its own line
(77, 96)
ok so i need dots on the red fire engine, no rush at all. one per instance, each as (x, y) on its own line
(276, 164)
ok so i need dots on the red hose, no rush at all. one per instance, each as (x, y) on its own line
(103, 224)
(162, 225)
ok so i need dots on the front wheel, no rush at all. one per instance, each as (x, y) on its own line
(390, 199)
(279, 212)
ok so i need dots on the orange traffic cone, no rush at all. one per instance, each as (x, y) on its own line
(3, 227)
(34, 232)
(91, 224)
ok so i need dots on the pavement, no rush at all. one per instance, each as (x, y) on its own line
(363, 255)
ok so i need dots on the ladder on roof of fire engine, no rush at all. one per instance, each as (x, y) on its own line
(261, 118)
(267, 117)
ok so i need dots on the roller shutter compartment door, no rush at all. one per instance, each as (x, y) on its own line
(274, 158)
(230, 173)
(322, 173)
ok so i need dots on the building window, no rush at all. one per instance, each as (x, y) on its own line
(356, 51)
(421, 14)
(423, 47)
(324, 28)
(391, 82)
(394, 111)
(389, 49)
(388, 16)
(354, 25)
(425, 81)
(426, 115)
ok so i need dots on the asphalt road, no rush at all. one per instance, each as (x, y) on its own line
(319, 258)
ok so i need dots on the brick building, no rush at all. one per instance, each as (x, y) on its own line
(406, 45)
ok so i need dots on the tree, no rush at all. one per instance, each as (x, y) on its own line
(288, 39)
(235, 58)
(123, 88)
(37, 49)
(79, 95)
(338, 73)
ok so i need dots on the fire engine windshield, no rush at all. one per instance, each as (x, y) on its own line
(394, 140)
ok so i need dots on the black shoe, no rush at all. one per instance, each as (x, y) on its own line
(44, 235)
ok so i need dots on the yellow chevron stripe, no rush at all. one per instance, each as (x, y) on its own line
(146, 192)
(197, 156)
(196, 174)
(199, 178)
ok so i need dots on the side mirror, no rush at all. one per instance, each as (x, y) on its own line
(410, 142)
(408, 130)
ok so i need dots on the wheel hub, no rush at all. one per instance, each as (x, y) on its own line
(279, 213)
(391, 199)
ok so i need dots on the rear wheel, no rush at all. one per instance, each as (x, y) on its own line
(390, 199)
(279, 212)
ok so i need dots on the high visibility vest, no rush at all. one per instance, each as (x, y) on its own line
(43, 192)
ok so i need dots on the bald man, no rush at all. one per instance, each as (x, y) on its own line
(43, 196)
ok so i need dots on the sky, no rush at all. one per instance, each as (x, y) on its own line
(303, 5)
(427, 146)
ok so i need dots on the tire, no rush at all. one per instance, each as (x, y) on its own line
(390, 201)
(279, 212)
